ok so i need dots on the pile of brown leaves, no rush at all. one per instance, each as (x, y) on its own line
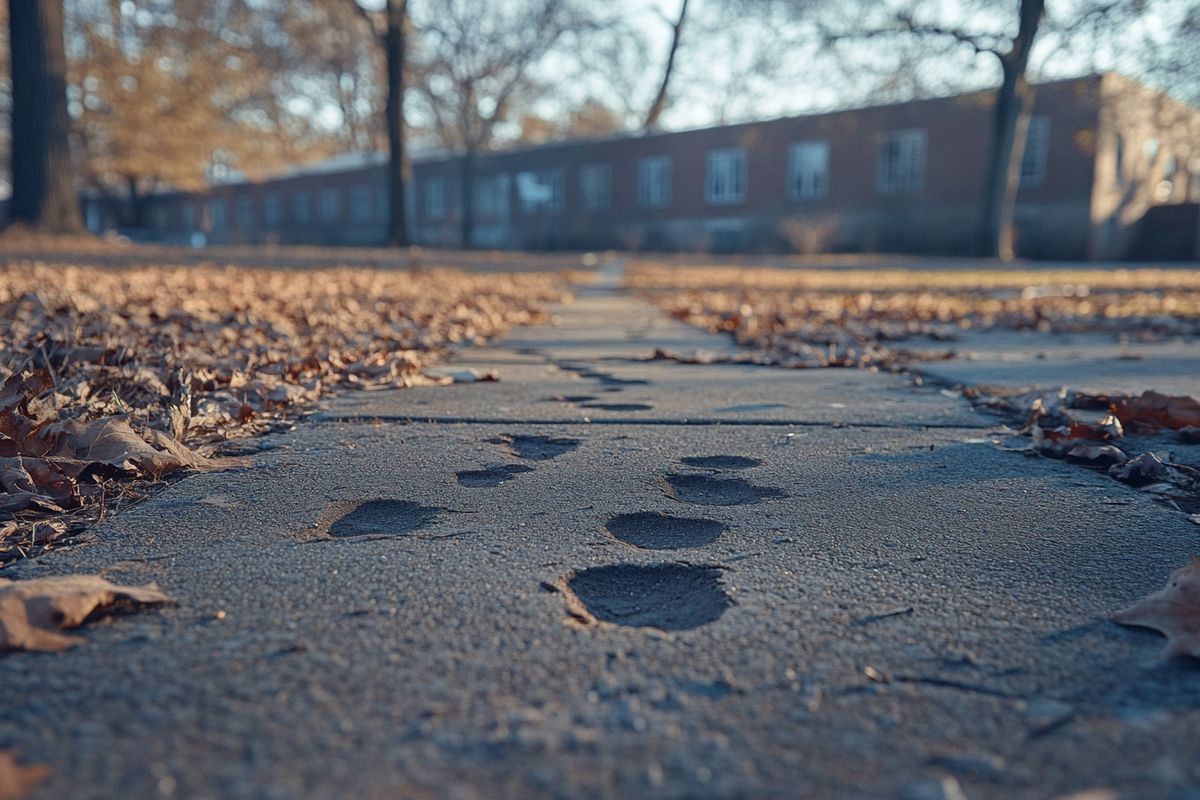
(1056, 426)
(111, 378)
(820, 318)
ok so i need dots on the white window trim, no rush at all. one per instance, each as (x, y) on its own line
(795, 162)
(654, 182)
(887, 181)
(734, 160)
(595, 186)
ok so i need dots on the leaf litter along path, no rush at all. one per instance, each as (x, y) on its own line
(517, 643)
(1050, 349)
(115, 378)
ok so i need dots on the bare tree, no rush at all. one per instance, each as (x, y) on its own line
(43, 188)
(479, 59)
(661, 98)
(1010, 122)
(392, 36)
(1012, 49)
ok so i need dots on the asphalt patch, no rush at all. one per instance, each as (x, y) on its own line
(721, 462)
(492, 476)
(670, 597)
(707, 490)
(385, 518)
(651, 530)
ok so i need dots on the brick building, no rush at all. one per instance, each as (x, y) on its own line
(1111, 170)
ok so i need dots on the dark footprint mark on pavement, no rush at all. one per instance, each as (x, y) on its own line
(536, 448)
(605, 378)
(721, 462)
(750, 408)
(385, 518)
(707, 490)
(573, 398)
(670, 597)
(492, 476)
(654, 531)
(619, 406)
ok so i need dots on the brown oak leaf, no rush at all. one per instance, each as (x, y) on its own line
(33, 612)
(18, 780)
(1154, 410)
(1173, 611)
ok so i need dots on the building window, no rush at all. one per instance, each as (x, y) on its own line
(245, 212)
(654, 182)
(218, 212)
(491, 197)
(329, 204)
(902, 161)
(187, 217)
(1037, 143)
(541, 191)
(435, 198)
(360, 204)
(300, 208)
(595, 185)
(725, 181)
(808, 170)
(272, 210)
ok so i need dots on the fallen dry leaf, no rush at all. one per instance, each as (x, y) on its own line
(114, 377)
(17, 780)
(1173, 611)
(33, 612)
(1154, 410)
(808, 316)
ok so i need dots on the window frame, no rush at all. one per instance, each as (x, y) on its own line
(795, 162)
(595, 186)
(727, 165)
(907, 178)
(1037, 132)
(654, 177)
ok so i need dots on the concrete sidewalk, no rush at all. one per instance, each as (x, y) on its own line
(611, 577)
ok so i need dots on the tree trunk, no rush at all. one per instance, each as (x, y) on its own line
(43, 191)
(660, 100)
(467, 198)
(1010, 123)
(394, 44)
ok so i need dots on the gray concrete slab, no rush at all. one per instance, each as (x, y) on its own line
(462, 609)
(1096, 363)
